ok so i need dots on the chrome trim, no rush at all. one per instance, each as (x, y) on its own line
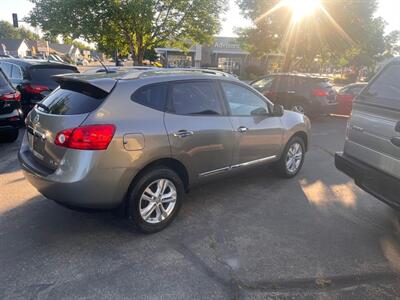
(214, 171)
(249, 163)
(253, 162)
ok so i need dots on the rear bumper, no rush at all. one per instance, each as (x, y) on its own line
(11, 122)
(379, 184)
(77, 185)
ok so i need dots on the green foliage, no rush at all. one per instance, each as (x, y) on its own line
(131, 26)
(7, 31)
(348, 33)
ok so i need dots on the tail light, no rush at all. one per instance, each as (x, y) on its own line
(270, 94)
(91, 137)
(11, 96)
(320, 93)
(35, 88)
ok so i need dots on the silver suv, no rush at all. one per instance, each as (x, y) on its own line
(140, 139)
(372, 149)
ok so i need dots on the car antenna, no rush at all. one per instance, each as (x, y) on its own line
(101, 62)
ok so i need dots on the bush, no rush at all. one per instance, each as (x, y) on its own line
(345, 80)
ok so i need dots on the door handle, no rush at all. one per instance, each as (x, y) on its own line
(396, 141)
(291, 92)
(183, 133)
(242, 129)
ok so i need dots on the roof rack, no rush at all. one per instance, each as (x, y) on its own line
(179, 71)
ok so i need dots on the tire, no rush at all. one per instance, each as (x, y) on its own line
(282, 168)
(147, 204)
(10, 137)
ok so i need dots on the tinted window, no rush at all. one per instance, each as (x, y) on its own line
(40, 75)
(16, 72)
(264, 84)
(153, 96)
(4, 84)
(195, 98)
(67, 102)
(387, 85)
(6, 67)
(281, 83)
(242, 101)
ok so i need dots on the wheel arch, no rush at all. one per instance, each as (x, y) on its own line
(303, 135)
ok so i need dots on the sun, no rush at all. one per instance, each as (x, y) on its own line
(302, 8)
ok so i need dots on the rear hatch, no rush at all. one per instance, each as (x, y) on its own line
(324, 90)
(66, 107)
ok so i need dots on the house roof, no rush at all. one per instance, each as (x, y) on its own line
(11, 44)
(61, 48)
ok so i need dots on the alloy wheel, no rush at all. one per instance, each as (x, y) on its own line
(294, 158)
(157, 201)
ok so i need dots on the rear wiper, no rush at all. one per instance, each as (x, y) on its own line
(44, 107)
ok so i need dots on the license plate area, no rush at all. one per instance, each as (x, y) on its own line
(36, 141)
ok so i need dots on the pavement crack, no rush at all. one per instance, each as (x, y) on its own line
(325, 150)
(230, 284)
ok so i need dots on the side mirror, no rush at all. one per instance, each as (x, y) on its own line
(278, 111)
(261, 111)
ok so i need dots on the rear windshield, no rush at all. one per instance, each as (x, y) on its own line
(4, 84)
(42, 75)
(68, 102)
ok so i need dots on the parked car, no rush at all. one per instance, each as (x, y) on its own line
(307, 94)
(142, 139)
(33, 78)
(346, 95)
(11, 116)
(372, 148)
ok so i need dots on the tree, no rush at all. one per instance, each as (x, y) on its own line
(337, 28)
(130, 25)
(7, 31)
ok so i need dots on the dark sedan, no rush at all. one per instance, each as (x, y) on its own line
(33, 78)
(11, 117)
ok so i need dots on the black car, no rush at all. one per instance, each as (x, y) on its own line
(32, 77)
(311, 95)
(11, 116)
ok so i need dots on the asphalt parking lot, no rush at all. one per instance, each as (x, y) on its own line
(252, 236)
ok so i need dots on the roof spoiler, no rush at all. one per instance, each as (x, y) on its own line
(95, 87)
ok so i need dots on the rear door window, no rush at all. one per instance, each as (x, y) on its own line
(68, 102)
(385, 89)
(42, 75)
(195, 98)
(153, 96)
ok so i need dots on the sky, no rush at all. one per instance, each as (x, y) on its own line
(388, 9)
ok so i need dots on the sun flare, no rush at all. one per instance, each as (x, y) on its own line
(302, 8)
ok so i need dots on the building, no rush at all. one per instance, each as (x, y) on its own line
(224, 53)
(70, 52)
(38, 48)
(14, 47)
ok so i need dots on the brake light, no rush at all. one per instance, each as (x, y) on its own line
(270, 94)
(91, 137)
(35, 88)
(320, 93)
(11, 96)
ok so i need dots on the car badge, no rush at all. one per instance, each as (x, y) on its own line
(36, 119)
